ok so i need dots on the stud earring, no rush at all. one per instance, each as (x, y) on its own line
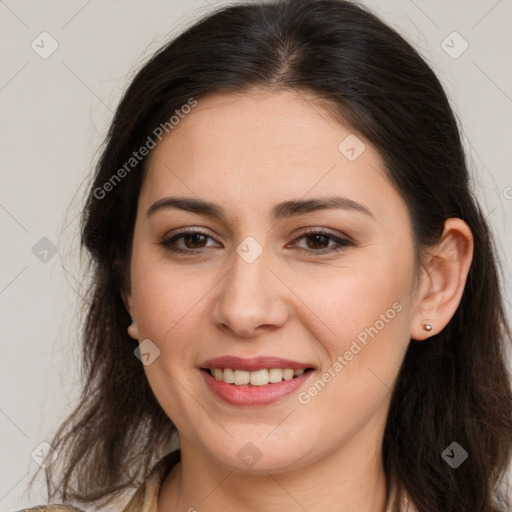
(132, 330)
(427, 327)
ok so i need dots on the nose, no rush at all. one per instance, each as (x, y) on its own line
(251, 298)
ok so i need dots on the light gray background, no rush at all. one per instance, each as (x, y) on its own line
(55, 113)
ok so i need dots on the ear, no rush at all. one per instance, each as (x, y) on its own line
(132, 328)
(443, 278)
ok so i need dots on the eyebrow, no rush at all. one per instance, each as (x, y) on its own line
(280, 211)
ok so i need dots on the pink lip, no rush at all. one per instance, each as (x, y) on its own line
(253, 395)
(256, 363)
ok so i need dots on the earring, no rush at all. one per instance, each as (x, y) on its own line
(132, 330)
(427, 327)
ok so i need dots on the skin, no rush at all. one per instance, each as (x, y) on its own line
(248, 152)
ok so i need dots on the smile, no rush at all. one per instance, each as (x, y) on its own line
(243, 392)
(255, 378)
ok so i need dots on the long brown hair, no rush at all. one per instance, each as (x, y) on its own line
(456, 387)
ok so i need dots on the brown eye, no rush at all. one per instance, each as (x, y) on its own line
(319, 241)
(192, 242)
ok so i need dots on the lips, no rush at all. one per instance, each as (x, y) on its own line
(253, 395)
(256, 363)
(250, 395)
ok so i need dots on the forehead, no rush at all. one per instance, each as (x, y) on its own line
(263, 124)
(260, 146)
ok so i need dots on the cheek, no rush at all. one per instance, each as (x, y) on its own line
(370, 317)
(365, 318)
(167, 302)
(349, 300)
(164, 297)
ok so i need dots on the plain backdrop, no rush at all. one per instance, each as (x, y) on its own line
(55, 112)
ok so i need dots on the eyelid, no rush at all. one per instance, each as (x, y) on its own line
(187, 230)
(325, 231)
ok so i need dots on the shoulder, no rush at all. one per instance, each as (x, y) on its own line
(51, 508)
(398, 499)
(145, 495)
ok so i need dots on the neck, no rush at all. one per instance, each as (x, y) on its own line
(348, 479)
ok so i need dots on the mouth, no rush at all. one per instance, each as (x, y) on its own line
(259, 382)
(254, 381)
(255, 378)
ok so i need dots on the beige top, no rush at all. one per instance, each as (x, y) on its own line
(145, 497)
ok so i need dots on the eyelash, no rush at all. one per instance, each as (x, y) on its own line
(343, 243)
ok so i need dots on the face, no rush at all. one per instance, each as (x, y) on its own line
(330, 288)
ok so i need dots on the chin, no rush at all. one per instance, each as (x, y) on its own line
(260, 456)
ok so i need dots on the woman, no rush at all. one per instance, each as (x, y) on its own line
(281, 222)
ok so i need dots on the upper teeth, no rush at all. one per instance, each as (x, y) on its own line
(256, 377)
